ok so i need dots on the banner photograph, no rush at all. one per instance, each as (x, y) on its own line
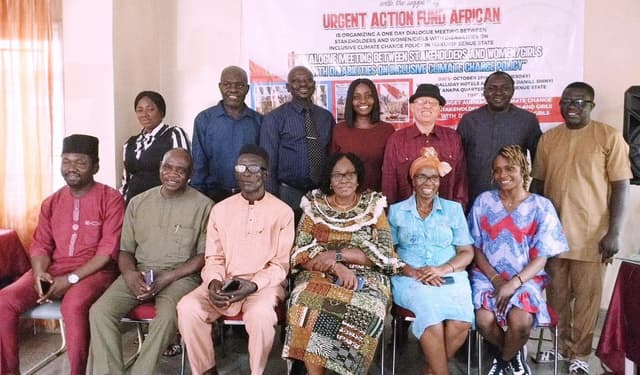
(400, 44)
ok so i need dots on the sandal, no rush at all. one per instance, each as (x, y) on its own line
(578, 366)
(172, 350)
(548, 356)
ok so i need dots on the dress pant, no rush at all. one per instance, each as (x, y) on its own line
(292, 196)
(21, 296)
(196, 314)
(115, 303)
(574, 293)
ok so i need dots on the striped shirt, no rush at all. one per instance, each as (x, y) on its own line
(283, 136)
(142, 155)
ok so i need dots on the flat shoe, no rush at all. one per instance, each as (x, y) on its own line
(173, 350)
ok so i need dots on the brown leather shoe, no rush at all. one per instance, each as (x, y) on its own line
(211, 371)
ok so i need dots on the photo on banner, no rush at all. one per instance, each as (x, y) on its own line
(399, 44)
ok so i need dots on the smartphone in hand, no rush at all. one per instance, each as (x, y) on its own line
(230, 285)
(148, 277)
(448, 280)
(44, 286)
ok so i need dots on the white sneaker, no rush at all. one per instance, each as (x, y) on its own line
(578, 366)
(547, 356)
(498, 367)
(518, 363)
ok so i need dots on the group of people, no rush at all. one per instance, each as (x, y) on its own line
(467, 238)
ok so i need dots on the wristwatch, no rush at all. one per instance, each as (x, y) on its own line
(72, 278)
(339, 258)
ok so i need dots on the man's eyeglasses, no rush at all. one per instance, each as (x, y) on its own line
(575, 102)
(422, 178)
(252, 168)
(341, 176)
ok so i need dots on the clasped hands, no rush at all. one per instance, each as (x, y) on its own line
(326, 262)
(427, 275)
(59, 286)
(143, 291)
(504, 289)
(221, 298)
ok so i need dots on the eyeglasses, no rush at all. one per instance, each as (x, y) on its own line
(576, 102)
(252, 168)
(341, 176)
(235, 85)
(422, 178)
(427, 102)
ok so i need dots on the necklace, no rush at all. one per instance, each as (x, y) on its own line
(424, 211)
(345, 207)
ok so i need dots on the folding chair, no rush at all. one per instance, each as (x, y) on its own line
(47, 311)
(401, 314)
(553, 327)
(140, 315)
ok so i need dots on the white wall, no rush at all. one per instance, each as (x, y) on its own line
(611, 66)
(178, 48)
(88, 77)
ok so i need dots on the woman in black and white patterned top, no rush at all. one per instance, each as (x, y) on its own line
(143, 152)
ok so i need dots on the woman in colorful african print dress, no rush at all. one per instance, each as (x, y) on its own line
(341, 259)
(514, 233)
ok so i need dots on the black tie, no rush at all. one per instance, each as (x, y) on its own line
(315, 150)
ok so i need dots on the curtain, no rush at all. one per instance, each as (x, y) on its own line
(30, 109)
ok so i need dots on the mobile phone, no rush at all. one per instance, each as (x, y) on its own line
(148, 277)
(448, 280)
(230, 285)
(361, 282)
(44, 286)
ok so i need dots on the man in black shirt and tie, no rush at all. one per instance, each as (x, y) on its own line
(296, 135)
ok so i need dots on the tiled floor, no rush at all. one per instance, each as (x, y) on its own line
(410, 359)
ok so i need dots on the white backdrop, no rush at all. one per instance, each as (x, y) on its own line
(402, 43)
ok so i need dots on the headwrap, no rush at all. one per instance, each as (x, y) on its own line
(429, 158)
(81, 144)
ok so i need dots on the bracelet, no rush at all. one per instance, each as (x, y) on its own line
(494, 277)
(520, 278)
(453, 269)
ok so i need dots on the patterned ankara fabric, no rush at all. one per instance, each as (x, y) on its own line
(327, 324)
(510, 241)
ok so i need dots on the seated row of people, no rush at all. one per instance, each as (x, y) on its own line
(341, 260)
(344, 255)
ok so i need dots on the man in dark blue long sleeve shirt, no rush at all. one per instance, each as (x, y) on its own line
(284, 137)
(218, 134)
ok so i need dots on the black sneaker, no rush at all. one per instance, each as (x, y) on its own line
(518, 363)
(498, 367)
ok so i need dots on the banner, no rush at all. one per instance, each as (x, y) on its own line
(400, 44)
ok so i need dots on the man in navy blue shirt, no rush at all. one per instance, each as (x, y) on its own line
(290, 144)
(218, 134)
